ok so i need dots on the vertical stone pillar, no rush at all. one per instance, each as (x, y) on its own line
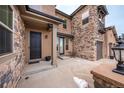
(54, 51)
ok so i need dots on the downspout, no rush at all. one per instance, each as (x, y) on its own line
(52, 48)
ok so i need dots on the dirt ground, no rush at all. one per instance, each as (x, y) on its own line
(36, 76)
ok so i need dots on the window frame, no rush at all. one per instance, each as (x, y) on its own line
(65, 24)
(57, 44)
(85, 15)
(84, 23)
(11, 30)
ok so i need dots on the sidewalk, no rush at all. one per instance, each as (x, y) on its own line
(61, 76)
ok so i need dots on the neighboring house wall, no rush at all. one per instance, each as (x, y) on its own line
(11, 65)
(86, 36)
(110, 38)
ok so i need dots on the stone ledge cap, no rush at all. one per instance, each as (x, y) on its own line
(104, 72)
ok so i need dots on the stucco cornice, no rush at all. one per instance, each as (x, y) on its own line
(31, 12)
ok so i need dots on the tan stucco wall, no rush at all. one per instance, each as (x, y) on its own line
(48, 9)
(109, 38)
(60, 27)
(68, 30)
(46, 45)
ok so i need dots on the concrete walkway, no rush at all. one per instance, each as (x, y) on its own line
(60, 76)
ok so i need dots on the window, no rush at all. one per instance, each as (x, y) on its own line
(85, 17)
(85, 21)
(6, 15)
(65, 24)
(67, 44)
(35, 7)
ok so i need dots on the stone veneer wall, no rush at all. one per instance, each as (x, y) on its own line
(85, 37)
(104, 77)
(99, 83)
(12, 65)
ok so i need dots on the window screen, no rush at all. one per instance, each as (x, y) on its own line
(5, 40)
(5, 35)
(6, 15)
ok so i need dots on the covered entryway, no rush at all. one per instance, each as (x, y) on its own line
(39, 41)
(40, 35)
(99, 46)
(35, 45)
(64, 43)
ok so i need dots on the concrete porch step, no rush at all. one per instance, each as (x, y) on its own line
(62, 57)
(38, 71)
(37, 67)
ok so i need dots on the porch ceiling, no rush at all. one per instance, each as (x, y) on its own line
(34, 23)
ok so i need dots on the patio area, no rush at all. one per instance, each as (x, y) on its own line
(43, 75)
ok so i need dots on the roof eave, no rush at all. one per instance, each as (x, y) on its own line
(77, 10)
(62, 13)
(43, 14)
(25, 9)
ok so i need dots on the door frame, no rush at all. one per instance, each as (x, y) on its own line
(40, 45)
(63, 45)
(101, 42)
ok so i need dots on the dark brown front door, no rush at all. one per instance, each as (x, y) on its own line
(99, 45)
(35, 45)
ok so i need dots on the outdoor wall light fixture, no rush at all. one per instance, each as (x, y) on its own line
(118, 51)
(50, 27)
(46, 36)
